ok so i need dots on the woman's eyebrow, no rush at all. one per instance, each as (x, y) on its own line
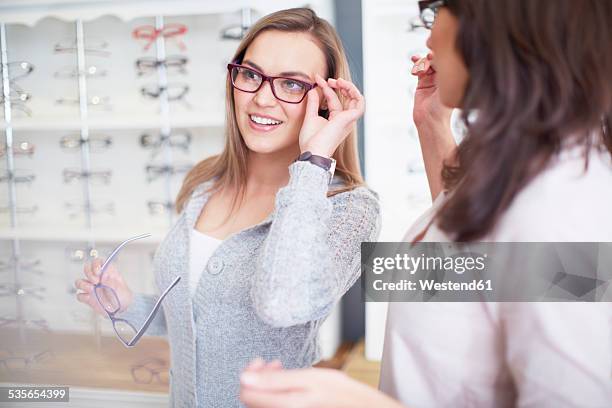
(288, 73)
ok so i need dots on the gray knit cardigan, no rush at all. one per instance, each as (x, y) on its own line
(264, 291)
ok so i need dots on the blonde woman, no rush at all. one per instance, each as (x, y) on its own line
(535, 166)
(265, 244)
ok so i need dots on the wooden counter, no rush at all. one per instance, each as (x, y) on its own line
(76, 360)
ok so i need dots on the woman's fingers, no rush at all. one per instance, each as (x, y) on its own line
(421, 66)
(333, 103)
(92, 270)
(349, 87)
(357, 97)
(256, 365)
(97, 266)
(83, 297)
(312, 104)
(355, 101)
(274, 365)
(346, 88)
(84, 285)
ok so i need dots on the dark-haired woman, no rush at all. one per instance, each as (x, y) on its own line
(535, 165)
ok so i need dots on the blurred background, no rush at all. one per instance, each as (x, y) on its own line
(93, 152)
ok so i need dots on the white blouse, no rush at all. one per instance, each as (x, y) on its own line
(202, 247)
(513, 354)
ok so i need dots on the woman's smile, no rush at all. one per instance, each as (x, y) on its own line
(263, 123)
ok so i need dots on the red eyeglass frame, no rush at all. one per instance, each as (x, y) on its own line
(266, 78)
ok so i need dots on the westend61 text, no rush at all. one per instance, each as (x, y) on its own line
(432, 285)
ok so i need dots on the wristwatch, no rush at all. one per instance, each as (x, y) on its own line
(326, 163)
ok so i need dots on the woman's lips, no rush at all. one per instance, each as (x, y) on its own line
(261, 128)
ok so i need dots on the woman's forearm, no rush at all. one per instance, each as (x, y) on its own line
(311, 255)
(437, 145)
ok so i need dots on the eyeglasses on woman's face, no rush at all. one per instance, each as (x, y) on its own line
(247, 79)
(428, 10)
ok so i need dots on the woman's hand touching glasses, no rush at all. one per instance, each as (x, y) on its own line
(322, 136)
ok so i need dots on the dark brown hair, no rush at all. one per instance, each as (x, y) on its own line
(540, 78)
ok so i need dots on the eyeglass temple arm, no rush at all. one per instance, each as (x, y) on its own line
(147, 322)
(117, 249)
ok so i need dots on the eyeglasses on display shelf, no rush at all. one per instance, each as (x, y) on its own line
(22, 290)
(176, 92)
(150, 370)
(77, 208)
(175, 64)
(156, 171)
(238, 31)
(95, 47)
(180, 140)
(109, 301)
(69, 72)
(149, 33)
(17, 176)
(235, 32)
(10, 322)
(20, 210)
(160, 207)
(102, 102)
(285, 89)
(18, 69)
(99, 176)
(23, 148)
(29, 265)
(96, 143)
(9, 360)
(17, 96)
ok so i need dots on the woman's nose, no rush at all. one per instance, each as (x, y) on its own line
(428, 42)
(264, 96)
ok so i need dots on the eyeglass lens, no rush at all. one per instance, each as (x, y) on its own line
(285, 89)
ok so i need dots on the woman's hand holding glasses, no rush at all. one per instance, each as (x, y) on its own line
(322, 136)
(111, 278)
(427, 106)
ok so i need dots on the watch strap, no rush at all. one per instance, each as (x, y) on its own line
(326, 163)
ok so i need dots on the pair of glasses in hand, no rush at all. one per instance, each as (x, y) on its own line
(109, 301)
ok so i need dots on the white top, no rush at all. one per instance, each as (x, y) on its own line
(202, 247)
(513, 354)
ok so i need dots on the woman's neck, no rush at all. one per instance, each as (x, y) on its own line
(267, 172)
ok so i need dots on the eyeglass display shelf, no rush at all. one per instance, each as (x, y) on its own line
(114, 123)
(99, 235)
(29, 12)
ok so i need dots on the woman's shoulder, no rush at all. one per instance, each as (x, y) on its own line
(199, 194)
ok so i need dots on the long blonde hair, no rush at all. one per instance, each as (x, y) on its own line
(229, 169)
